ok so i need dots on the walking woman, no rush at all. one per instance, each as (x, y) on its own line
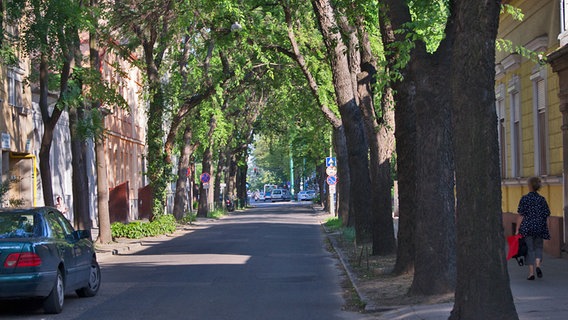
(532, 225)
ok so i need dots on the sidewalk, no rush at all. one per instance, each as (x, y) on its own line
(542, 299)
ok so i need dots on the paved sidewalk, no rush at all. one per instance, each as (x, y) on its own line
(541, 299)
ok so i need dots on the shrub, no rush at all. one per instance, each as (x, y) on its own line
(162, 224)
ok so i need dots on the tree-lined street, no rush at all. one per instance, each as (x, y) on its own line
(266, 263)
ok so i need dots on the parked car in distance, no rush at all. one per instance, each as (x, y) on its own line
(311, 194)
(43, 257)
(280, 195)
(268, 196)
(306, 195)
(260, 196)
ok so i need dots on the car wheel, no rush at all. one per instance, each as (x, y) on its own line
(54, 302)
(94, 281)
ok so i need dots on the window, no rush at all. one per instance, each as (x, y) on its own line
(540, 121)
(563, 15)
(516, 134)
(500, 106)
(15, 90)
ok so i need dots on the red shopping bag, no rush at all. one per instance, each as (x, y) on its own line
(513, 245)
(517, 248)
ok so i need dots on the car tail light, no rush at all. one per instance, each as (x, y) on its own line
(20, 260)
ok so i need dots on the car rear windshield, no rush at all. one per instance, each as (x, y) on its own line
(18, 225)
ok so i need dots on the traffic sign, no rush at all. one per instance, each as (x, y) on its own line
(205, 177)
(331, 180)
(330, 162)
(331, 170)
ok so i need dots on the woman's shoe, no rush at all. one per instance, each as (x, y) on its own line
(531, 277)
(538, 272)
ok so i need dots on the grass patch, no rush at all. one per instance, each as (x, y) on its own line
(333, 224)
(216, 214)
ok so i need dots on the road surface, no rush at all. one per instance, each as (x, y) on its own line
(269, 262)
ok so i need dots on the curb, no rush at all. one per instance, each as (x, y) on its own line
(369, 305)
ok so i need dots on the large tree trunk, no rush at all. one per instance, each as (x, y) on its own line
(486, 294)
(380, 132)
(406, 174)
(434, 237)
(393, 17)
(361, 203)
(426, 78)
(344, 182)
(183, 188)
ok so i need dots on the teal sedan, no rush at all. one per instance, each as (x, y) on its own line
(43, 257)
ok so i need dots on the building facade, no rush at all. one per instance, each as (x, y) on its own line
(21, 130)
(530, 121)
(18, 164)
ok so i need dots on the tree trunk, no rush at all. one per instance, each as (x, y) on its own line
(406, 174)
(339, 142)
(183, 188)
(80, 181)
(158, 167)
(434, 237)
(486, 294)
(81, 212)
(393, 18)
(49, 122)
(380, 133)
(361, 203)
(344, 182)
(242, 184)
(204, 193)
(105, 235)
(219, 176)
(232, 170)
(320, 178)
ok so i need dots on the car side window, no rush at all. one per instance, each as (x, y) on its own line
(67, 228)
(60, 228)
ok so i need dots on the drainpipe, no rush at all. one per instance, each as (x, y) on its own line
(34, 170)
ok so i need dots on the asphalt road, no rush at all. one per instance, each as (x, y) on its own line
(266, 263)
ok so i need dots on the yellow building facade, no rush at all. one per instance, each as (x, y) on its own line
(528, 110)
